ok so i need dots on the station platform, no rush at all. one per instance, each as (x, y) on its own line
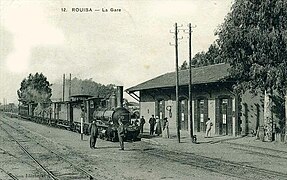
(186, 144)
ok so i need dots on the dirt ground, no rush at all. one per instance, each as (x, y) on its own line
(139, 160)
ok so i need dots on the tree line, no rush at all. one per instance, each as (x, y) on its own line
(211, 56)
(36, 89)
(81, 86)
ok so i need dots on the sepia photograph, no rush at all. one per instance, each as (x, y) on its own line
(140, 90)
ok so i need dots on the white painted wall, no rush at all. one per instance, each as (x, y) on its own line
(77, 114)
(147, 109)
(172, 119)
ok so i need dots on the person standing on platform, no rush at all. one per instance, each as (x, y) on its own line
(208, 127)
(152, 122)
(165, 128)
(93, 129)
(158, 126)
(142, 122)
(121, 133)
(82, 122)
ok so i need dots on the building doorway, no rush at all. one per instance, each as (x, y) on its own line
(160, 109)
(201, 114)
(224, 125)
(183, 114)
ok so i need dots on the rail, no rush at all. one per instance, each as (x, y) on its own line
(9, 174)
(38, 163)
(46, 170)
(225, 167)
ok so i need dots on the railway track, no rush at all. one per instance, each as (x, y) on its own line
(229, 168)
(78, 160)
(9, 174)
(13, 156)
(263, 151)
(54, 165)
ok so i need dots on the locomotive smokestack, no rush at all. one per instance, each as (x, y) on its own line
(120, 92)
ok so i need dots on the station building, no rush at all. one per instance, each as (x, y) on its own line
(212, 97)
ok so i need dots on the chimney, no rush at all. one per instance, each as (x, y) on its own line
(120, 91)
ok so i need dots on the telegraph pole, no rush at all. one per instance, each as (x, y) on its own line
(177, 85)
(70, 86)
(4, 104)
(177, 80)
(189, 87)
(63, 87)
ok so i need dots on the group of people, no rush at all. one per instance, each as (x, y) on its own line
(94, 131)
(161, 127)
(158, 126)
(141, 123)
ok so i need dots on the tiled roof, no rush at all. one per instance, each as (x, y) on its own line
(200, 75)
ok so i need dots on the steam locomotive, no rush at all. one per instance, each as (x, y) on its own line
(77, 114)
(107, 121)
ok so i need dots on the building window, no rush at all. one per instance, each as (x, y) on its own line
(59, 107)
(201, 107)
(182, 116)
(92, 104)
(161, 109)
(224, 110)
(183, 110)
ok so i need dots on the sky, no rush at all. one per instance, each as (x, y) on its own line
(125, 47)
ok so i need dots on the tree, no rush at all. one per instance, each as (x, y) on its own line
(212, 56)
(184, 66)
(35, 89)
(253, 39)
